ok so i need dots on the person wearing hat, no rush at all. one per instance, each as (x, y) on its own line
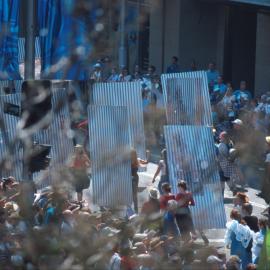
(79, 166)
(97, 73)
(229, 173)
(214, 263)
(150, 210)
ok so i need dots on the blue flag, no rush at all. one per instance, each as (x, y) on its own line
(64, 39)
(9, 16)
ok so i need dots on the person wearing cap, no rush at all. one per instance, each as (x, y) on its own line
(214, 263)
(79, 166)
(97, 73)
(150, 211)
(229, 171)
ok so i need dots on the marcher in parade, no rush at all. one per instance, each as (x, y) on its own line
(183, 216)
(136, 163)
(80, 164)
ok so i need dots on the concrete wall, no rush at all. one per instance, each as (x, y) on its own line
(198, 33)
(262, 67)
(156, 34)
(192, 30)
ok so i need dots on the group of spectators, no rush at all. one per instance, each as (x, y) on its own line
(58, 233)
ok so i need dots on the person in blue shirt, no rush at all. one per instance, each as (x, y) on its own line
(242, 92)
(174, 67)
(212, 74)
(220, 85)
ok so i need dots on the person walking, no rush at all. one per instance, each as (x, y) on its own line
(79, 166)
(136, 163)
(183, 215)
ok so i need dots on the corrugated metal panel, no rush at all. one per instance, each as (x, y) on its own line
(21, 47)
(17, 84)
(191, 156)
(187, 98)
(125, 94)
(57, 135)
(7, 136)
(110, 154)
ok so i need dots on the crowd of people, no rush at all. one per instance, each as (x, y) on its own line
(56, 231)
(66, 234)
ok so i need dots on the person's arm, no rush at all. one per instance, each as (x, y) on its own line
(156, 173)
(87, 161)
(191, 200)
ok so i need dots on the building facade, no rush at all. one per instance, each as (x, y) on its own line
(233, 34)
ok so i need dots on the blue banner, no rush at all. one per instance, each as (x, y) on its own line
(9, 15)
(64, 39)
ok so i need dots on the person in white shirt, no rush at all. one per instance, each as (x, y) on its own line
(258, 240)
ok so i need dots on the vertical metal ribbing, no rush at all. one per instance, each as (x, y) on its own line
(191, 156)
(129, 95)
(187, 98)
(110, 148)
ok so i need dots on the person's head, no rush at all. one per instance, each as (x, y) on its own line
(233, 263)
(243, 85)
(237, 124)
(263, 99)
(79, 149)
(267, 140)
(151, 69)
(241, 198)
(214, 263)
(247, 209)
(124, 71)
(211, 66)
(182, 185)
(97, 67)
(8, 182)
(137, 69)
(153, 194)
(235, 215)
(229, 89)
(114, 70)
(166, 188)
(220, 80)
(174, 59)
(263, 223)
(224, 137)
(251, 266)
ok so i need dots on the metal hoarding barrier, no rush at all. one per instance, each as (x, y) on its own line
(21, 49)
(187, 99)
(14, 86)
(9, 150)
(192, 157)
(110, 155)
(124, 94)
(58, 135)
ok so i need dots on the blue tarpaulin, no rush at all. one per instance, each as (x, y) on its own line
(9, 15)
(64, 39)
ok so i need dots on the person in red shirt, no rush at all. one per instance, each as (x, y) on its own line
(167, 196)
(183, 215)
